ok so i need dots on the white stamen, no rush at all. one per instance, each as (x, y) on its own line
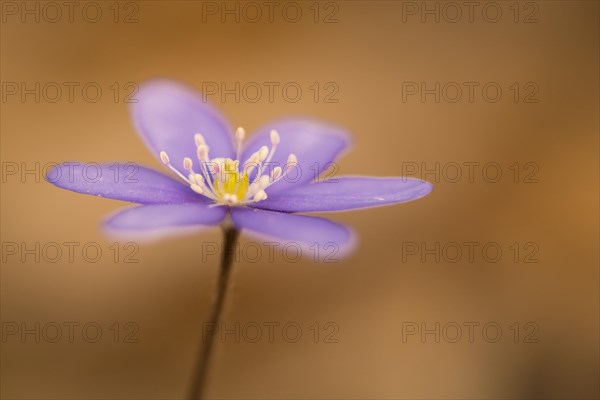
(197, 189)
(292, 161)
(164, 157)
(165, 160)
(254, 159)
(197, 179)
(208, 179)
(202, 153)
(251, 163)
(199, 139)
(264, 181)
(240, 133)
(275, 137)
(274, 143)
(188, 164)
(276, 173)
(260, 195)
(263, 152)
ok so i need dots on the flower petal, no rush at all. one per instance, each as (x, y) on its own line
(315, 237)
(316, 144)
(346, 193)
(168, 114)
(121, 181)
(156, 221)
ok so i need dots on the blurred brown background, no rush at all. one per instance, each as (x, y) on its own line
(367, 50)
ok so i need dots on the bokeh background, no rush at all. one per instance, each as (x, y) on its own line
(367, 50)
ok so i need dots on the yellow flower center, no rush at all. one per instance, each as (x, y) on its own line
(230, 185)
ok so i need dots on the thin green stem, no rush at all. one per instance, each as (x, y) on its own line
(198, 386)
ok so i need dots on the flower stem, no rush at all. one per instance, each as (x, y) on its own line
(198, 386)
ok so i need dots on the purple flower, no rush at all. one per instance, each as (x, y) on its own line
(259, 185)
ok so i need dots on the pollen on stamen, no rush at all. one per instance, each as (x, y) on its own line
(263, 153)
(292, 161)
(260, 195)
(197, 189)
(275, 137)
(199, 139)
(197, 179)
(202, 153)
(276, 173)
(254, 158)
(240, 133)
(188, 164)
(164, 158)
(264, 181)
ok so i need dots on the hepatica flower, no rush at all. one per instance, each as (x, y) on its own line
(216, 177)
